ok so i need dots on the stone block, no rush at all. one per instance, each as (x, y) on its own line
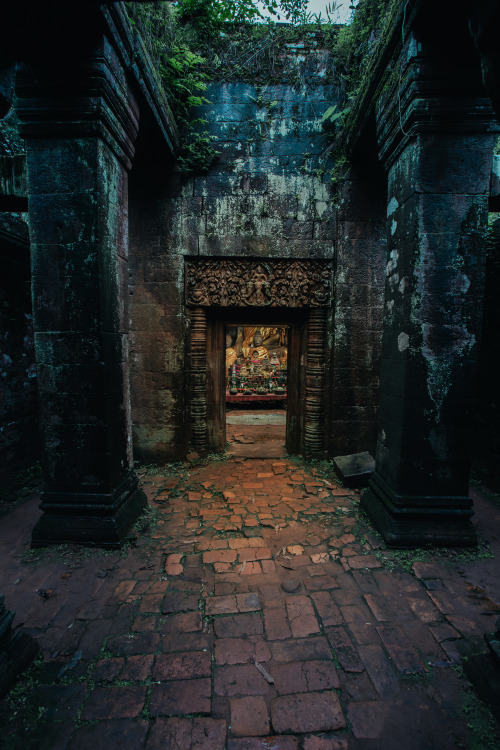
(249, 716)
(307, 712)
(355, 470)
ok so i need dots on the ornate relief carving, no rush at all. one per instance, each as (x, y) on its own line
(254, 283)
(315, 385)
(199, 380)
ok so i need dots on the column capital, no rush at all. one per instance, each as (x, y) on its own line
(427, 94)
(87, 96)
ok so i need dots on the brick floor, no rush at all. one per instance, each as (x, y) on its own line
(186, 639)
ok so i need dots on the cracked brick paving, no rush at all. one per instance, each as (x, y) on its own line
(243, 562)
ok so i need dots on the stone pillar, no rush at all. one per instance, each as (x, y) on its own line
(80, 119)
(436, 134)
(358, 298)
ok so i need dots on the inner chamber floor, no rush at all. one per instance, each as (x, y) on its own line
(242, 561)
(256, 433)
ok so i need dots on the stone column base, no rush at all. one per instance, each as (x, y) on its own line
(415, 521)
(97, 520)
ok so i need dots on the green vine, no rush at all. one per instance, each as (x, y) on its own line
(195, 42)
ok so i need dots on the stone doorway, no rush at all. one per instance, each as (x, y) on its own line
(217, 322)
(294, 293)
(256, 365)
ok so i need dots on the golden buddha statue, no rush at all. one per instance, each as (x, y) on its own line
(249, 333)
(231, 354)
(258, 352)
(231, 357)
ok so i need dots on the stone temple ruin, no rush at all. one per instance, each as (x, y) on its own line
(378, 286)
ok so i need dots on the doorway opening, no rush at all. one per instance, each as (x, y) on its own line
(256, 384)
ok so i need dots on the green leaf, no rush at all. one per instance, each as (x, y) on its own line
(329, 112)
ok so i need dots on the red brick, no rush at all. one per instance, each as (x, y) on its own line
(323, 743)
(275, 742)
(250, 569)
(239, 680)
(124, 589)
(138, 668)
(299, 649)
(301, 615)
(175, 642)
(151, 603)
(268, 566)
(60, 702)
(400, 649)
(238, 625)
(424, 609)
(181, 697)
(326, 608)
(318, 583)
(300, 677)
(428, 570)
(248, 602)
(320, 675)
(182, 666)
(358, 562)
(178, 602)
(367, 719)
(276, 624)
(254, 553)
(133, 643)
(117, 733)
(239, 651)
(224, 556)
(200, 733)
(108, 669)
(344, 649)
(444, 632)
(114, 703)
(211, 544)
(220, 605)
(145, 624)
(189, 622)
(239, 543)
(380, 670)
(249, 716)
(307, 712)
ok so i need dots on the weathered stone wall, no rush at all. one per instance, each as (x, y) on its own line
(268, 195)
(18, 395)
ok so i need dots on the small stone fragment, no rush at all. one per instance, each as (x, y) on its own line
(295, 549)
(265, 674)
(290, 585)
(321, 557)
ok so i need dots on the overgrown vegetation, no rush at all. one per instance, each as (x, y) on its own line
(195, 42)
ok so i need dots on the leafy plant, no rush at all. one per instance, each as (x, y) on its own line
(186, 41)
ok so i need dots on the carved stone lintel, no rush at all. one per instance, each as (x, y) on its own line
(315, 376)
(199, 380)
(256, 283)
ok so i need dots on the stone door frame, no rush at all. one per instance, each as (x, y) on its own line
(278, 285)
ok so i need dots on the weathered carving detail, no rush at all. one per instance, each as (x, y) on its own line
(315, 376)
(254, 283)
(199, 380)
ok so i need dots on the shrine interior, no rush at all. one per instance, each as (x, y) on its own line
(256, 390)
